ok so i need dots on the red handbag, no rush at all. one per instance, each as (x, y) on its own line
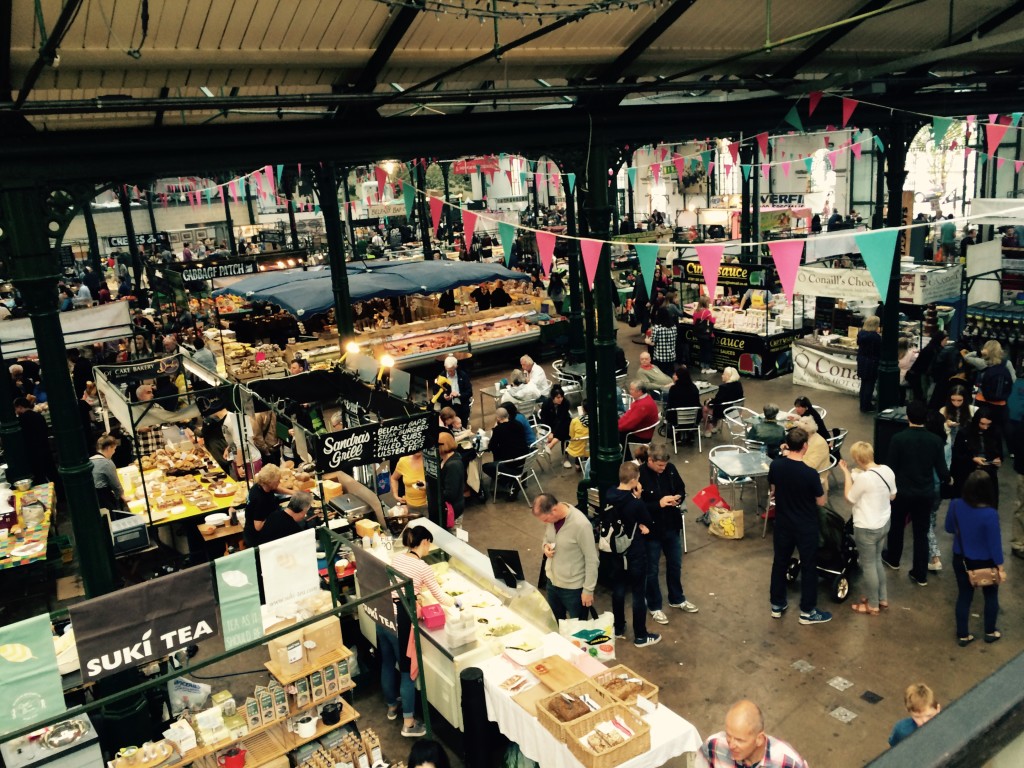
(709, 497)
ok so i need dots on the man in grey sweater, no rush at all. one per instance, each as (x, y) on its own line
(570, 557)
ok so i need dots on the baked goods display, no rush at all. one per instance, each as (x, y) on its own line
(247, 361)
(183, 461)
(623, 687)
(566, 707)
(179, 482)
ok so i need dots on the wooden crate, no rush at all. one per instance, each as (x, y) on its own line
(649, 690)
(617, 755)
(555, 726)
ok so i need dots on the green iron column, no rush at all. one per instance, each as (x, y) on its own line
(94, 240)
(125, 199)
(327, 187)
(349, 229)
(896, 143)
(246, 186)
(606, 460)
(15, 452)
(423, 208)
(577, 338)
(35, 272)
(232, 245)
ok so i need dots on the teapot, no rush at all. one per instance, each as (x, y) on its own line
(305, 726)
(232, 758)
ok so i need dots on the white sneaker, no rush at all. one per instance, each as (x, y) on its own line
(686, 606)
(659, 616)
(567, 464)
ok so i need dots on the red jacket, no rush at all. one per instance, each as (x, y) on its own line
(641, 413)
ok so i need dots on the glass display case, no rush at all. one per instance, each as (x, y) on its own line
(498, 332)
(424, 344)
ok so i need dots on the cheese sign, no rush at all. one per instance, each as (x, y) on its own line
(371, 443)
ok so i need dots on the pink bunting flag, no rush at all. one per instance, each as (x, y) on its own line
(468, 225)
(382, 178)
(680, 163)
(538, 182)
(813, 99)
(848, 106)
(268, 174)
(233, 189)
(557, 178)
(711, 168)
(785, 169)
(710, 258)
(508, 175)
(662, 154)
(1017, 165)
(590, 250)
(856, 149)
(833, 156)
(259, 183)
(656, 172)
(762, 142)
(728, 171)
(436, 206)
(734, 151)
(220, 192)
(994, 136)
(787, 254)
(970, 119)
(1000, 161)
(490, 176)
(764, 170)
(546, 248)
(993, 117)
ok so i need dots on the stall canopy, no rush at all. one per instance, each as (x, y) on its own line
(265, 281)
(307, 293)
(82, 327)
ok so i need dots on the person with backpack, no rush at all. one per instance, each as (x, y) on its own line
(995, 381)
(947, 370)
(922, 365)
(625, 525)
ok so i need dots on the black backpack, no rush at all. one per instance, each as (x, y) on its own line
(996, 383)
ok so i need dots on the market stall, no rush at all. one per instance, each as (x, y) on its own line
(25, 524)
(82, 327)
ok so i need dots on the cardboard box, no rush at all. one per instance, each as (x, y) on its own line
(287, 652)
(183, 736)
(326, 633)
(237, 726)
(252, 713)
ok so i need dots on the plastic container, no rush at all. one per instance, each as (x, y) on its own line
(433, 616)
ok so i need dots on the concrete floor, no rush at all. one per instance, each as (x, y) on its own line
(800, 675)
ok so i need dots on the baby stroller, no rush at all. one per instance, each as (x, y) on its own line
(837, 554)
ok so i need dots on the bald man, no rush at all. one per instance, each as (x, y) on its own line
(744, 744)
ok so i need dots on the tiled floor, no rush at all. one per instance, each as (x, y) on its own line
(733, 649)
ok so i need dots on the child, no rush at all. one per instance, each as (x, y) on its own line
(920, 702)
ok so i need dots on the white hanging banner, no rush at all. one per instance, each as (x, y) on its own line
(820, 370)
(289, 572)
(850, 284)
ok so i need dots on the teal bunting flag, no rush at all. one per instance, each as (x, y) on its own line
(746, 171)
(879, 249)
(939, 127)
(572, 183)
(647, 255)
(793, 118)
(808, 162)
(631, 173)
(280, 172)
(507, 235)
(879, 144)
(409, 198)
(316, 208)
(705, 158)
(522, 180)
(1015, 118)
(982, 157)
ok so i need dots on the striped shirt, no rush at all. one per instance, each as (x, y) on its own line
(778, 754)
(422, 576)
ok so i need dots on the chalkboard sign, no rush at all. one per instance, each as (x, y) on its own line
(372, 443)
(272, 236)
(160, 239)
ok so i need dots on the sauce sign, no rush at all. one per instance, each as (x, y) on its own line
(373, 443)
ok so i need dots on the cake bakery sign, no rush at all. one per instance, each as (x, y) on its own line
(372, 443)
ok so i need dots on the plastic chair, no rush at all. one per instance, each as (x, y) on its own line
(683, 420)
(626, 454)
(735, 418)
(527, 471)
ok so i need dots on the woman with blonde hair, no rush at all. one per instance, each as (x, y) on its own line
(817, 456)
(995, 380)
(870, 488)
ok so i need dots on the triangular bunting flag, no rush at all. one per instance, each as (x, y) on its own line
(993, 117)
(631, 176)
(280, 172)
(878, 249)
(710, 258)
(538, 184)
(233, 189)
(970, 119)
(746, 171)
(546, 249)
(409, 198)
(468, 225)
(656, 172)
(705, 157)
(785, 168)
(856, 149)
(557, 178)
(833, 156)
(436, 206)
(813, 98)
(680, 164)
(572, 183)
(728, 171)
(1017, 165)
(1000, 161)
(590, 250)
(762, 142)
(764, 170)
(939, 127)
(994, 135)
(878, 143)
(382, 179)
(786, 254)
(647, 256)
(522, 180)
(793, 118)
(848, 106)
(507, 235)
(982, 157)
(508, 175)
(808, 162)
(268, 173)
(662, 154)
(734, 152)
(711, 168)
(1015, 117)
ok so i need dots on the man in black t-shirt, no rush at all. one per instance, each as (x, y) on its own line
(284, 521)
(798, 494)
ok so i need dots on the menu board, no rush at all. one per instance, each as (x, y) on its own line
(372, 443)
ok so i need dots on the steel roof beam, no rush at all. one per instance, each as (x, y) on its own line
(48, 52)
(793, 67)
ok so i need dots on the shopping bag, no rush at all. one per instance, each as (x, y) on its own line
(595, 636)
(725, 523)
(707, 497)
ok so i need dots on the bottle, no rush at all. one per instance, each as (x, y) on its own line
(764, 450)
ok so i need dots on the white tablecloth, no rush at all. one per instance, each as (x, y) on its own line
(671, 735)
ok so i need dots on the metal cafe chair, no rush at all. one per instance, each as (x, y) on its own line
(683, 420)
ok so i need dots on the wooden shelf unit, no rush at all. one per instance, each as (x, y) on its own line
(286, 678)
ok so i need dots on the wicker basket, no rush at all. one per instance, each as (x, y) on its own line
(649, 691)
(555, 726)
(640, 743)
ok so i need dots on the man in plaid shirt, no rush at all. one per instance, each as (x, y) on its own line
(744, 744)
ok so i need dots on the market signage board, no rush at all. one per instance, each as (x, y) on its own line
(373, 443)
(372, 577)
(213, 271)
(763, 357)
(136, 625)
(849, 284)
(289, 570)
(121, 241)
(931, 285)
(387, 209)
(29, 676)
(238, 595)
(733, 275)
(818, 369)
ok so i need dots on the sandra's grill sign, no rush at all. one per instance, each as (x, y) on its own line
(371, 443)
(146, 622)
